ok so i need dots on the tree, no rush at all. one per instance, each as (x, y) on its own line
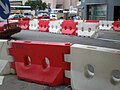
(36, 4)
(44, 6)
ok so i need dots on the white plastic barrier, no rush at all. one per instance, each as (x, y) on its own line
(94, 68)
(4, 57)
(87, 29)
(80, 27)
(4, 67)
(105, 25)
(33, 24)
(79, 21)
(55, 26)
(4, 45)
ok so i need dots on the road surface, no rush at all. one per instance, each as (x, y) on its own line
(105, 39)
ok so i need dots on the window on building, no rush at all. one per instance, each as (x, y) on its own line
(97, 12)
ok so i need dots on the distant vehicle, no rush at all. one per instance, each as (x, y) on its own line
(43, 16)
(56, 14)
(6, 30)
(28, 15)
(73, 11)
(57, 11)
(53, 16)
(16, 16)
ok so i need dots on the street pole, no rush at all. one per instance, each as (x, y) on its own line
(8, 24)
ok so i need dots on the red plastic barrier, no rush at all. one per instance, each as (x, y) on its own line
(25, 19)
(92, 21)
(43, 25)
(116, 26)
(69, 27)
(24, 24)
(41, 62)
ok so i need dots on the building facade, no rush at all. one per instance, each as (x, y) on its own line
(20, 3)
(62, 4)
(53, 4)
(100, 9)
(17, 2)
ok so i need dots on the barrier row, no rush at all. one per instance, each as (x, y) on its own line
(85, 67)
(70, 27)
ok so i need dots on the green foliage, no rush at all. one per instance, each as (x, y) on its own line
(38, 4)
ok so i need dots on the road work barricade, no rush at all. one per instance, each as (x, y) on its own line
(94, 68)
(55, 26)
(24, 24)
(105, 25)
(41, 62)
(116, 26)
(69, 27)
(92, 21)
(43, 25)
(87, 29)
(33, 24)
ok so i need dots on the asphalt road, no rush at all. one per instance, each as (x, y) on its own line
(105, 39)
(12, 83)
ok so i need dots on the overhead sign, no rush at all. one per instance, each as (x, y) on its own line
(4, 9)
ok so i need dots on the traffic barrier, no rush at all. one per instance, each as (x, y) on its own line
(94, 68)
(105, 25)
(87, 29)
(92, 21)
(24, 24)
(79, 20)
(41, 62)
(116, 26)
(43, 25)
(69, 27)
(55, 26)
(80, 27)
(5, 59)
(25, 19)
(33, 24)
